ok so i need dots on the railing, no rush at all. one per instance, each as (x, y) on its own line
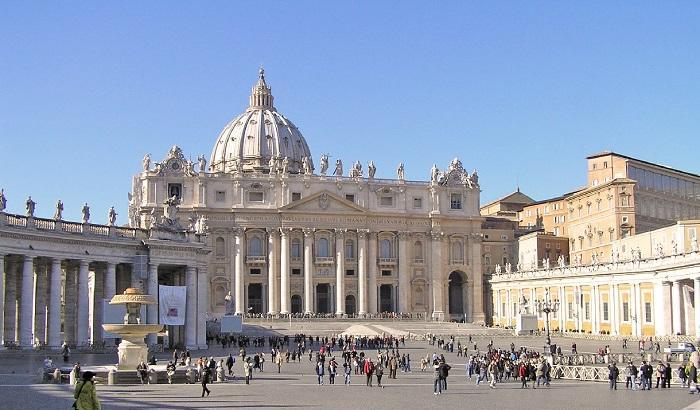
(127, 232)
(596, 373)
(98, 230)
(255, 259)
(386, 261)
(324, 260)
(45, 224)
(16, 220)
(72, 227)
(295, 259)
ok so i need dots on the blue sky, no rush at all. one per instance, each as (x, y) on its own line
(517, 90)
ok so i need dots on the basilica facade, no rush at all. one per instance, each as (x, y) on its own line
(289, 237)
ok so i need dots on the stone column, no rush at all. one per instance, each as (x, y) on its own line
(595, 316)
(340, 272)
(372, 272)
(509, 309)
(70, 320)
(191, 309)
(436, 275)
(478, 314)
(152, 310)
(82, 309)
(202, 306)
(238, 275)
(562, 308)
(696, 297)
(3, 277)
(272, 270)
(54, 331)
(10, 311)
(308, 266)
(404, 272)
(110, 285)
(40, 288)
(661, 307)
(361, 272)
(96, 313)
(634, 311)
(676, 307)
(615, 309)
(284, 274)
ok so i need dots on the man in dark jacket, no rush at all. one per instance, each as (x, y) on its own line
(692, 378)
(206, 378)
(444, 371)
(612, 376)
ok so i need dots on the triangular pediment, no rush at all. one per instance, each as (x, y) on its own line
(323, 201)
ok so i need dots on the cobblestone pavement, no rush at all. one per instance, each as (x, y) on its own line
(296, 386)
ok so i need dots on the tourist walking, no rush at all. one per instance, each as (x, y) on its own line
(319, 372)
(613, 372)
(379, 372)
(206, 378)
(247, 370)
(346, 373)
(369, 371)
(522, 372)
(85, 394)
(65, 351)
(692, 378)
(631, 379)
(437, 382)
(229, 363)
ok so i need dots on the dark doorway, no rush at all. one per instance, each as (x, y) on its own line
(323, 298)
(296, 304)
(255, 298)
(386, 302)
(456, 295)
(350, 305)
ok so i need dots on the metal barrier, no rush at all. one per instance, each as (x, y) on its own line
(597, 373)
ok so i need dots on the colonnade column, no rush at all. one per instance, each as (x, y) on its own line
(340, 271)
(70, 314)
(152, 310)
(660, 308)
(272, 271)
(54, 323)
(595, 317)
(372, 272)
(361, 272)
(478, 314)
(191, 309)
(110, 285)
(39, 315)
(634, 308)
(562, 308)
(82, 309)
(238, 269)
(308, 266)
(202, 306)
(2, 301)
(615, 309)
(436, 275)
(284, 274)
(11, 275)
(676, 307)
(404, 272)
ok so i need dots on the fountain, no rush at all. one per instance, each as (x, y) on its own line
(132, 349)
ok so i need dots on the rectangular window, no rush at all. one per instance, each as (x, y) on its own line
(254, 271)
(386, 201)
(255, 196)
(456, 201)
(220, 196)
(386, 273)
(350, 197)
(503, 308)
(605, 311)
(569, 310)
(175, 190)
(587, 310)
(625, 311)
(296, 196)
(296, 250)
(647, 312)
(296, 271)
(417, 203)
(349, 272)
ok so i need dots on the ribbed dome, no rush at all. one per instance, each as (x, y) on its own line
(257, 135)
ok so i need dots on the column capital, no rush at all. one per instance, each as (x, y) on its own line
(362, 233)
(285, 231)
(84, 262)
(340, 232)
(239, 231)
(54, 261)
(308, 232)
(404, 235)
(272, 231)
(437, 235)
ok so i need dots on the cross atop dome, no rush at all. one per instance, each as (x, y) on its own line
(261, 96)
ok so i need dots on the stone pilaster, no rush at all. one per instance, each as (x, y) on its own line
(82, 310)
(40, 290)
(340, 272)
(27, 304)
(239, 254)
(372, 272)
(272, 270)
(284, 274)
(191, 309)
(152, 310)
(203, 292)
(308, 269)
(404, 273)
(436, 275)
(362, 271)
(54, 322)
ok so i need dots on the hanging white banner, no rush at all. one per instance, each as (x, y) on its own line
(172, 302)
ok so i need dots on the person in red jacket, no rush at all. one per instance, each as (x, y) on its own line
(522, 372)
(369, 371)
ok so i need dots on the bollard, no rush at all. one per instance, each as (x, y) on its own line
(621, 358)
(111, 374)
(57, 376)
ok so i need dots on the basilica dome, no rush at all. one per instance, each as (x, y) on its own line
(252, 139)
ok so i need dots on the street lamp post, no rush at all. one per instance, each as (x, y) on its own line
(547, 306)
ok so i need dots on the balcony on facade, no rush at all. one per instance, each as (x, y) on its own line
(255, 260)
(418, 261)
(324, 260)
(386, 261)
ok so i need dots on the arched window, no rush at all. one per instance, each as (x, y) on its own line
(220, 246)
(418, 251)
(349, 249)
(296, 248)
(256, 248)
(322, 248)
(385, 249)
(457, 252)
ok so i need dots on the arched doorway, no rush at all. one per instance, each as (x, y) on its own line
(456, 295)
(350, 305)
(296, 304)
